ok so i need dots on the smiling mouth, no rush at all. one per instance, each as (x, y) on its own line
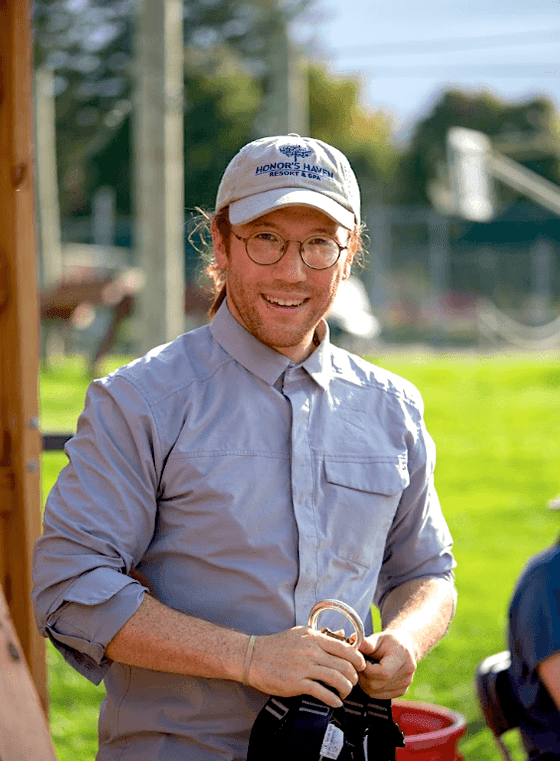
(284, 302)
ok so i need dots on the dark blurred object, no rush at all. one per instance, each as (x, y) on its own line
(498, 705)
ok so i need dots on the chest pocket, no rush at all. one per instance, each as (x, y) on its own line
(387, 477)
(361, 499)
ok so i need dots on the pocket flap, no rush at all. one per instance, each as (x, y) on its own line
(386, 477)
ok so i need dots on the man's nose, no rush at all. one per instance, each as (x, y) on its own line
(291, 266)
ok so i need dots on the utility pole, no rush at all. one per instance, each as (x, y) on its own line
(287, 102)
(438, 233)
(104, 216)
(542, 269)
(298, 91)
(158, 118)
(48, 209)
(379, 265)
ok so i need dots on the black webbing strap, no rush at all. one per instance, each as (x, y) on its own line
(293, 729)
(369, 724)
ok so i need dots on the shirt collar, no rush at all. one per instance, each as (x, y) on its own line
(264, 362)
(259, 359)
(319, 364)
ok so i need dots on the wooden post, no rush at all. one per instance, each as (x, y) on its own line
(20, 441)
(24, 733)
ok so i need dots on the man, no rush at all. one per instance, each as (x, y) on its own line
(222, 485)
(534, 642)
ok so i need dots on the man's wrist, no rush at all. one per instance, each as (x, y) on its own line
(405, 637)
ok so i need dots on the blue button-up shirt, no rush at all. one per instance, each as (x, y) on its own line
(243, 489)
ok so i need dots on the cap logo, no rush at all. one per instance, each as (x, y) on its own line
(295, 151)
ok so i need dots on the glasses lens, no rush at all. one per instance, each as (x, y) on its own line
(320, 252)
(265, 248)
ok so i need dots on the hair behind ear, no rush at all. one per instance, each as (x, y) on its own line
(355, 250)
(220, 227)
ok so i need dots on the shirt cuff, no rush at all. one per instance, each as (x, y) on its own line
(94, 609)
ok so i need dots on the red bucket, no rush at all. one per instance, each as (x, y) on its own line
(431, 732)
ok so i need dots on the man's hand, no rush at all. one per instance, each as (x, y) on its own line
(303, 661)
(414, 617)
(392, 676)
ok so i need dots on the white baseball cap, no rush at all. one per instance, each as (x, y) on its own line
(288, 170)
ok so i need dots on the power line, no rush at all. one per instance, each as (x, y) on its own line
(501, 71)
(450, 44)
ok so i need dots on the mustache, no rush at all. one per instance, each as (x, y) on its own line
(287, 290)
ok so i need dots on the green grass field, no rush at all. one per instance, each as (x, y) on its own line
(496, 423)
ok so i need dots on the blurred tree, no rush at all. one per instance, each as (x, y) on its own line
(224, 99)
(89, 44)
(337, 117)
(526, 131)
(220, 107)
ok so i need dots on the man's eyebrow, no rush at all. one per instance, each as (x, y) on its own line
(261, 222)
(257, 224)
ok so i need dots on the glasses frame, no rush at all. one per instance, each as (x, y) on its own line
(285, 248)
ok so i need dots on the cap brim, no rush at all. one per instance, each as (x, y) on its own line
(247, 209)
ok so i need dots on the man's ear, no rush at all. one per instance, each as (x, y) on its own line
(350, 254)
(348, 263)
(219, 246)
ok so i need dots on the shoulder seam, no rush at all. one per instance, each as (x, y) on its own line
(177, 389)
(400, 393)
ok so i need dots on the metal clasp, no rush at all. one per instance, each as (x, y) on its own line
(346, 610)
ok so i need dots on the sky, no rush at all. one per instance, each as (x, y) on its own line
(406, 53)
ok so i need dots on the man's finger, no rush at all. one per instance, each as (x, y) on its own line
(319, 691)
(335, 679)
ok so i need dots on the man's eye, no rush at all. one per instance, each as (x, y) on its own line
(267, 237)
(320, 242)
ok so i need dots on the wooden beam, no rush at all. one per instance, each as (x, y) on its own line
(20, 440)
(7, 490)
(24, 733)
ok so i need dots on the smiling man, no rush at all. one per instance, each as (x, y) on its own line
(280, 289)
(222, 485)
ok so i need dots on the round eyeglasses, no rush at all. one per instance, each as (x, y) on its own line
(319, 252)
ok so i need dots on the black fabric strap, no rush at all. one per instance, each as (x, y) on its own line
(288, 729)
(293, 729)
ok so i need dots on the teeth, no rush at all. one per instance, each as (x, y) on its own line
(284, 303)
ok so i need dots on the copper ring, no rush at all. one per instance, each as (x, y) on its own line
(343, 608)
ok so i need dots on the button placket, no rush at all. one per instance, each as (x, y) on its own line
(297, 390)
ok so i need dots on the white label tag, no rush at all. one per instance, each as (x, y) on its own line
(333, 742)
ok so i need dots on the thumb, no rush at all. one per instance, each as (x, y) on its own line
(371, 648)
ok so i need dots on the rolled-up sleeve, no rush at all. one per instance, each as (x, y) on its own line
(419, 544)
(93, 611)
(99, 520)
